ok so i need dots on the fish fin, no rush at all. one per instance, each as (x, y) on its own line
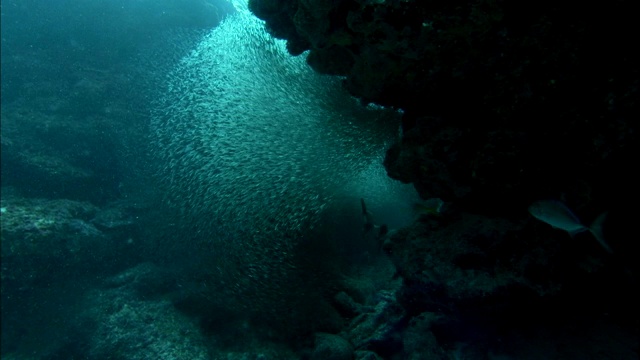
(596, 230)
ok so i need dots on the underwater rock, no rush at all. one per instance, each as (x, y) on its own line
(521, 112)
(46, 240)
(346, 305)
(331, 347)
(366, 355)
(49, 229)
(418, 341)
(129, 325)
(377, 328)
(121, 219)
(37, 158)
(146, 280)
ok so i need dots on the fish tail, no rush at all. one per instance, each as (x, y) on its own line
(596, 230)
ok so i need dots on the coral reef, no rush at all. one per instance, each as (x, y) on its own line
(503, 104)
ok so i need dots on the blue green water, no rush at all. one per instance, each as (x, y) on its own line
(177, 188)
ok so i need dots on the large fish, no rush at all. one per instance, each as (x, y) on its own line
(559, 216)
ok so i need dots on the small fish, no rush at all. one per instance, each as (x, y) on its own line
(559, 216)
